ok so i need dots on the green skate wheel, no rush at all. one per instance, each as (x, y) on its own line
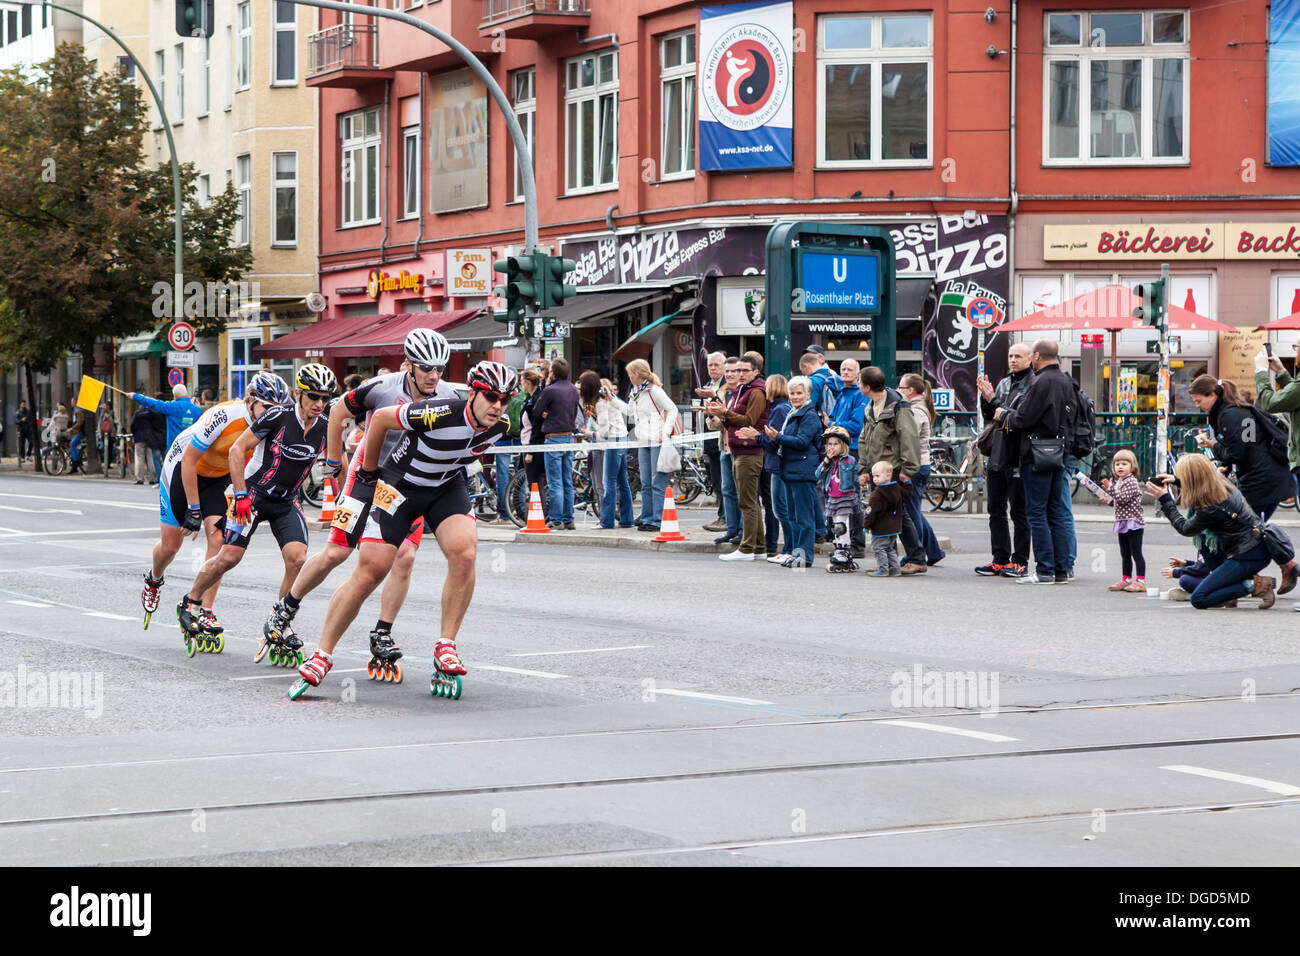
(298, 689)
(147, 615)
(299, 661)
(454, 691)
(435, 687)
(190, 646)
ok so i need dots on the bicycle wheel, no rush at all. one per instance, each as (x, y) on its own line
(687, 485)
(124, 453)
(634, 472)
(946, 490)
(517, 498)
(56, 461)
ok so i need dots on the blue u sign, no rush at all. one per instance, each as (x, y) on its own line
(839, 280)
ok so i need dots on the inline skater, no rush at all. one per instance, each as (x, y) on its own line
(423, 477)
(420, 376)
(191, 488)
(283, 444)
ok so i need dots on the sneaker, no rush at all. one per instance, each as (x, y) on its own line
(1137, 586)
(736, 556)
(935, 561)
(570, 526)
(652, 528)
(1178, 594)
(913, 568)
(1014, 570)
(991, 569)
(1036, 579)
(716, 526)
(788, 559)
(879, 573)
(1120, 585)
(780, 558)
(555, 525)
(1062, 579)
(726, 539)
(139, 481)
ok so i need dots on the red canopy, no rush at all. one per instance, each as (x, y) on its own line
(1107, 309)
(310, 341)
(384, 334)
(1292, 321)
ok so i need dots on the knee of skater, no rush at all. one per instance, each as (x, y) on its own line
(405, 563)
(295, 563)
(461, 559)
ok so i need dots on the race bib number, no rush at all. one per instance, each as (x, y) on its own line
(388, 498)
(346, 512)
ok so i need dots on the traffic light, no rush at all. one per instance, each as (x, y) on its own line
(519, 289)
(194, 18)
(1152, 309)
(552, 270)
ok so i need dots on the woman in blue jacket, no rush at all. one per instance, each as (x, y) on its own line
(776, 518)
(796, 445)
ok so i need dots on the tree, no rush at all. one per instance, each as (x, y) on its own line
(86, 231)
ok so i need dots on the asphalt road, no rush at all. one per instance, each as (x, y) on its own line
(639, 708)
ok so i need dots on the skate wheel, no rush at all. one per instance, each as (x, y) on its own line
(262, 650)
(454, 691)
(371, 671)
(397, 673)
(190, 646)
(219, 644)
(298, 689)
(435, 686)
(147, 615)
(300, 659)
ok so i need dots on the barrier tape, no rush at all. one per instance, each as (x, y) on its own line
(596, 445)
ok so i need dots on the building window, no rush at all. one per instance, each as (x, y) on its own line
(360, 173)
(244, 56)
(160, 71)
(205, 189)
(523, 97)
(180, 83)
(126, 70)
(244, 187)
(284, 167)
(410, 172)
(27, 21)
(230, 67)
(283, 367)
(591, 122)
(1134, 65)
(205, 94)
(677, 104)
(285, 47)
(242, 365)
(11, 24)
(874, 81)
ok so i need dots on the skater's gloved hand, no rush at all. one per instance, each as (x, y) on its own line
(193, 520)
(243, 506)
(367, 476)
(333, 468)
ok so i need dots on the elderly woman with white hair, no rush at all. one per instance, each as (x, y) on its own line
(798, 445)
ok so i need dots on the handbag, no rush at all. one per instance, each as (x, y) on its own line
(1048, 453)
(1278, 544)
(985, 440)
(670, 459)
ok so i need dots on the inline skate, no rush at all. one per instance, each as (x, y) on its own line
(194, 631)
(446, 681)
(150, 597)
(384, 664)
(841, 561)
(278, 639)
(311, 674)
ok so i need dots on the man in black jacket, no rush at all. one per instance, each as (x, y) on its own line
(1002, 473)
(1045, 412)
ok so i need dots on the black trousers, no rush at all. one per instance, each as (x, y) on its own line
(24, 443)
(712, 461)
(771, 527)
(1130, 550)
(1004, 490)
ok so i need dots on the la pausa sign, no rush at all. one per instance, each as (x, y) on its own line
(1231, 240)
(378, 282)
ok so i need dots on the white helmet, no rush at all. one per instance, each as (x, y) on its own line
(426, 347)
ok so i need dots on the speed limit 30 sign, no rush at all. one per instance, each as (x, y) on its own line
(181, 336)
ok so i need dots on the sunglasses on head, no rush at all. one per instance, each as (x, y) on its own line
(317, 397)
(426, 369)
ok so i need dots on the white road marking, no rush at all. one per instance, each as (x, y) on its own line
(84, 501)
(293, 670)
(672, 692)
(1272, 786)
(589, 650)
(516, 670)
(959, 731)
(68, 567)
(42, 511)
(16, 533)
(107, 616)
(29, 603)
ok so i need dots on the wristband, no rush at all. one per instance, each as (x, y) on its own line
(193, 508)
(240, 494)
(332, 463)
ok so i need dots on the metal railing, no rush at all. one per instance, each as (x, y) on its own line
(495, 10)
(342, 46)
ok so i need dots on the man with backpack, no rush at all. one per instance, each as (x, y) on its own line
(505, 463)
(1046, 419)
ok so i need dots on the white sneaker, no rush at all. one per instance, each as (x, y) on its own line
(736, 556)
(780, 559)
(1035, 579)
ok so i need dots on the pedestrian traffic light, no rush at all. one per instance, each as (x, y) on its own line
(1152, 308)
(194, 18)
(519, 289)
(552, 290)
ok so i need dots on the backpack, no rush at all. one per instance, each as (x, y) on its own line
(1276, 433)
(829, 398)
(514, 415)
(1081, 438)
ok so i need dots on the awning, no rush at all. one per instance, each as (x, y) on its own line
(141, 346)
(637, 345)
(385, 337)
(476, 335)
(590, 308)
(311, 341)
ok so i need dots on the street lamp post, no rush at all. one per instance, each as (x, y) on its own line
(178, 263)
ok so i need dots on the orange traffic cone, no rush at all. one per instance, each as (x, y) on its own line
(327, 509)
(669, 529)
(536, 520)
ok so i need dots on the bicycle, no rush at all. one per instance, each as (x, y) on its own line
(517, 492)
(482, 497)
(691, 481)
(125, 451)
(54, 455)
(947, 488)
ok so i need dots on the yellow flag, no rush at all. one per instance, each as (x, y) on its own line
(92, 390)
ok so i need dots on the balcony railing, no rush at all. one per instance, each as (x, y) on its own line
(495, 11)
(346, 46)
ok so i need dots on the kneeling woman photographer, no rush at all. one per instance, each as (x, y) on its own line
(1227, 532)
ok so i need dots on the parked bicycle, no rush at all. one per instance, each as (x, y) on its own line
(950, 480)
(584, 499)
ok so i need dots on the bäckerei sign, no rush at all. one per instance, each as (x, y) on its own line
(1172, 241)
